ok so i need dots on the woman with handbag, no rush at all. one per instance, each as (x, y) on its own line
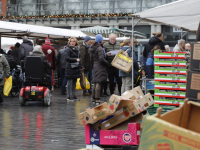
(4, 66)
(99, 68)
(127, 78)
(72, 67)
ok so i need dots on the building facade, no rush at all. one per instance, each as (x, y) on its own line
(3, 7)
(61, 7)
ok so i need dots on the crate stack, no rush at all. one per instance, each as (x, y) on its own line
(170, 78)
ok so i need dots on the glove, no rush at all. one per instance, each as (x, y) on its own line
(7, 76)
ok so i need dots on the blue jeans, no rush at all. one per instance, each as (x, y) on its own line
(63, 80)
(89, 77)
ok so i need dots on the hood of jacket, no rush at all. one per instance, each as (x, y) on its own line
(154, 40)
(28, 42)
(124, 48)
(94, 47)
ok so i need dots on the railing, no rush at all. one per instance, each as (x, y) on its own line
(55, 7)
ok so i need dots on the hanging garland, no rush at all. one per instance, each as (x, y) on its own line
(66, 16)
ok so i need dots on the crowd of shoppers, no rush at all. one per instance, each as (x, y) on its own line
(94, 59)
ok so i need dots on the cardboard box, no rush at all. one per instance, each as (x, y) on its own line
(113, 137)
(137, 91)
(195, 57)
(118, 117)
(193, 85)
(92, 115)
(136, 107)
(175, 130)
(149, 99)
(117, 102)
(130, 95)
(136, 119)
(122, 61)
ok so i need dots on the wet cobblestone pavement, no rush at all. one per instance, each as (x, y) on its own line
(36, 127)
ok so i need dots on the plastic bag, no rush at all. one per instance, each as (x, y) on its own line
(7, 86)
(78, 85)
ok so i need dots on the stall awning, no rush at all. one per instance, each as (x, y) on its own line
(10, 29)
(183, 14)
(105, 30)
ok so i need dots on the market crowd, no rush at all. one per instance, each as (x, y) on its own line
(94, 59)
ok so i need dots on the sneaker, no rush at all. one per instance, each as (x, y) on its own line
(75, 98)
(70, 98)
(86, 94)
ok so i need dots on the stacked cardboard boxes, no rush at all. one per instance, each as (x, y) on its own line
(175, 130)
(193, 79)
(116, 122)
(170, 78)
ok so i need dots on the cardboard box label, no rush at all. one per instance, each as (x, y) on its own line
(195, 82)
(196, 54)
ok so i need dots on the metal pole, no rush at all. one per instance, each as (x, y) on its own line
(181, 33)
(132, 52)
(0, 40)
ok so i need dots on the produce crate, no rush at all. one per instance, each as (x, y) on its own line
(170, 78)
(173, 94)
(169, 86)
(157, 62)
(159, 70)
(160, 101)
(152, 110)
(169, 55)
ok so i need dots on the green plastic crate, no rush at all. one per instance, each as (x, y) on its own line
(153, 110)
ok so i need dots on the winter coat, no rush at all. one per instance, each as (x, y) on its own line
(136, 67)
(71, 56)
(16, 52)
(85, 57)
(151, 44)
(178, 48)
(60, 59)
(99, 68)
(4, 68)
(150, 59)
(110, 47)
(26, 48)
(50, 57)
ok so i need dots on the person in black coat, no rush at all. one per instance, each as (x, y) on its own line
(16, 51)
(100, 74)
(156, 40)
(72, 73)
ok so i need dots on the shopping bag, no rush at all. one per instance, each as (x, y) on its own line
(82, 80)
(7, 86)
(122, 61)
(78, 85)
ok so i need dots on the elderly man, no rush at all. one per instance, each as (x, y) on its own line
(187, 47)
(180, 47)
(113, 72)
(167, 48)
(26, 48)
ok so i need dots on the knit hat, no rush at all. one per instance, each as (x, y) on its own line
(47, 41)
(87, 38)
(98, 38)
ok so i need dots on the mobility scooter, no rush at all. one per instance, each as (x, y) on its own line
(36, 81)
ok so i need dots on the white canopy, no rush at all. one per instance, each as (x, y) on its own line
(11, 29)
(183, 14)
